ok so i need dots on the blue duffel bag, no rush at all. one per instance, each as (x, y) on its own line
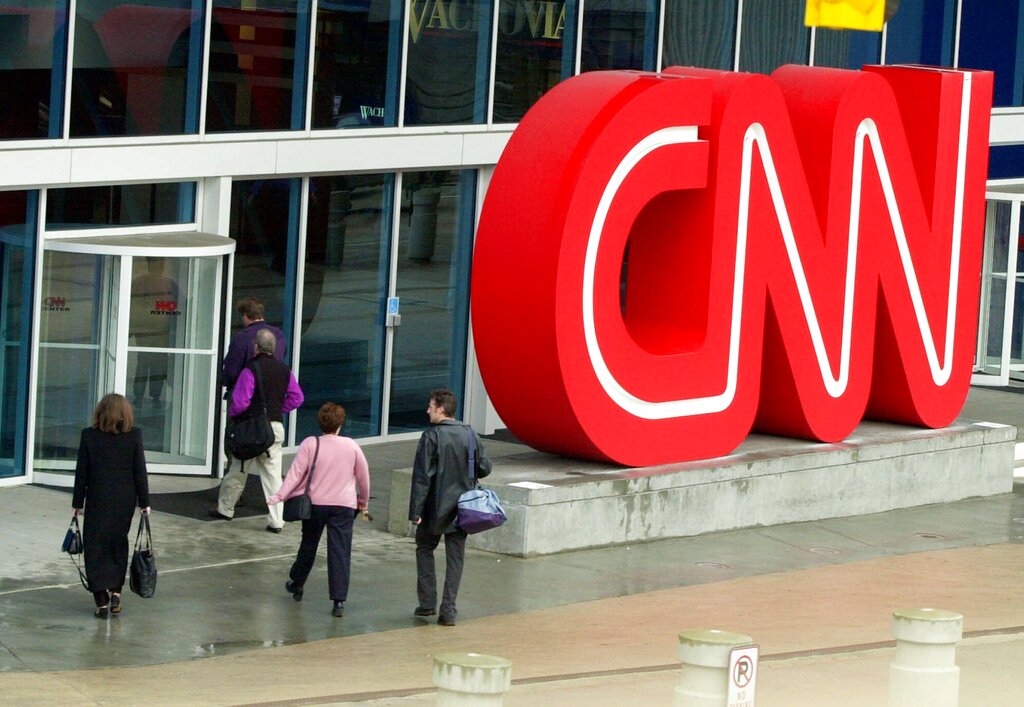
(480, 509)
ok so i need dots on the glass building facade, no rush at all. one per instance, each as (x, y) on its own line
(161, 159)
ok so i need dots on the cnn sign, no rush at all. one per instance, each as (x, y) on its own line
(666, 262)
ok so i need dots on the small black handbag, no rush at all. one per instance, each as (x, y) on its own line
(301, 507)
(142, 572)
(73, 544)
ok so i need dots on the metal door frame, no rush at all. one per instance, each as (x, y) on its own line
(127, 244)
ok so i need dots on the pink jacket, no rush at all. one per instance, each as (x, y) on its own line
(341, 477)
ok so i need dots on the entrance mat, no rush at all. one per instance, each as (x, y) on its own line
(197, 504)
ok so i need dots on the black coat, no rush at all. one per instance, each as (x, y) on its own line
(110, 480)
(440, 474)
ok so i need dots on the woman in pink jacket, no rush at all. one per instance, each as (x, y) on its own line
(340, 488)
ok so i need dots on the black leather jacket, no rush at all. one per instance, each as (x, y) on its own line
(440, 474)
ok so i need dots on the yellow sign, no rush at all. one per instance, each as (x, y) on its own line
(846, 14)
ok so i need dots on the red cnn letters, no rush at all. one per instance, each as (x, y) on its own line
(665, 262)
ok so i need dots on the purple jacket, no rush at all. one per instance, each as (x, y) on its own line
(242, 351)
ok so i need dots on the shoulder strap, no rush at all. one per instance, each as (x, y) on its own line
(312, 467)
(143, 523)
(471, 444)
(258, 375)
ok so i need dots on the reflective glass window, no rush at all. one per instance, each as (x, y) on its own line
(17, 258)
(699, 33)
(846, 49)
(992, 37)
(77, 344)
(435, 248)
(1006, 162)
(344, 291)
(32, 41)
(619, 34)
(120, 205)
(448, 62)
(773, 34)
(264, 224)
(536, 49)
(356, 68)
(921, 32)
(258, 51)
(136, 67)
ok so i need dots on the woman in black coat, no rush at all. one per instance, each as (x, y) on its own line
(110, 479)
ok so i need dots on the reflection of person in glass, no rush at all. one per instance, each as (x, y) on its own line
(154, 311)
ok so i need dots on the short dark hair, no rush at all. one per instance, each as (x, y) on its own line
(445, 399)
(330, 417)
(250, 307)
(113, 413)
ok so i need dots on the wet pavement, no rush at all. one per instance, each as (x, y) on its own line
(222, 629)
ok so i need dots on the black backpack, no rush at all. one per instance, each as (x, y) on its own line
(251, 436)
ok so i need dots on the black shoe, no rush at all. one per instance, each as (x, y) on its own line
(420, 611)
(339, 609)
(101, 612)
(446, 620)
(214, 513)
(115, 603)
(272, 529)
(294, 589)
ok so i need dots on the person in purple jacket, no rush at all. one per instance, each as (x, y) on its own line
(241, 350)
(283, 395)
(340, 488)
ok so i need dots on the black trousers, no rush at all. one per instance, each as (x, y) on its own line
(102, 598)
(338, 520)
(426, 578)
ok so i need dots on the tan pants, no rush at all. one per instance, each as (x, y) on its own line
(269, 468)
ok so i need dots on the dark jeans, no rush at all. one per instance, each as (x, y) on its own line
(426, 578)
(338, 520)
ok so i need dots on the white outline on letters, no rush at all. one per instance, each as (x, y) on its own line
(835, 385)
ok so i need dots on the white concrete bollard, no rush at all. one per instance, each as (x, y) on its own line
(471, 679)
(704, 681)
(924, 671)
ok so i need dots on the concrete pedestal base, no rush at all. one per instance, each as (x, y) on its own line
(556, 504)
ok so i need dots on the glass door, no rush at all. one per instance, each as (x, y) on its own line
(171, 356)
(77, 325)
(431, 284)
(1000, 352)
(140, 321)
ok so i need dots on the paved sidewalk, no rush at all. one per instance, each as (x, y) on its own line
(596, 627)
(833, 615)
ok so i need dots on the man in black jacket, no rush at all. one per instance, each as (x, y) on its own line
(440, 474)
